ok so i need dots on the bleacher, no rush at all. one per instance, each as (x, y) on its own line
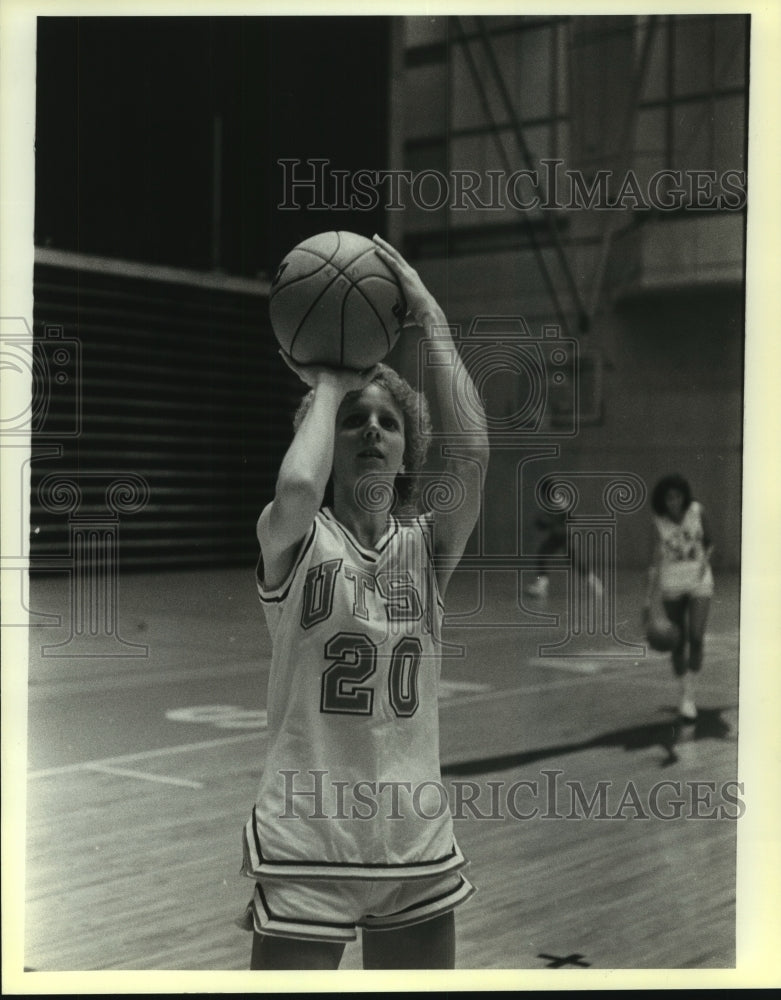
(165, 388)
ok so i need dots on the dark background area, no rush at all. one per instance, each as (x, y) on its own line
(174, 379)
(126, 108)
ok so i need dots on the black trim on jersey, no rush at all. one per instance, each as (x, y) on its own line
(426, 529)
(278, 594)
(369, 555)
(368, 865)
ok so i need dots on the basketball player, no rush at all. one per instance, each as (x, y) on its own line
(680, 572)
(554, 542)
(350, 827)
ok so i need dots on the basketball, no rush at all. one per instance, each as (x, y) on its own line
(662, 635)
(334, 302)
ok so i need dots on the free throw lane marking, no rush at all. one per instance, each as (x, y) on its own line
(125, 772)
(145, 755)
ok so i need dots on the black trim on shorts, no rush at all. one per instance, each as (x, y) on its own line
(326, 866)
(347, 925)
(420, 904)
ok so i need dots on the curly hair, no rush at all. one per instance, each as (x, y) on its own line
(671, 482)
(417, 430)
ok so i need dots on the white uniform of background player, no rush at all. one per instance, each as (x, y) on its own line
(680, 575)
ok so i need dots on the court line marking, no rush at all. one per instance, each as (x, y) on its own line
(262, 733)
(49, 687)
(571, 680)
(455, 689)
(489, 695)
(714, 688)
(125, 772)
(577, 664)
(146, 755)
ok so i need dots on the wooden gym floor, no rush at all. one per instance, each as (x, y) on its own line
(142, 768)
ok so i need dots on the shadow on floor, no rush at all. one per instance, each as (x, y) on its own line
(665, 734)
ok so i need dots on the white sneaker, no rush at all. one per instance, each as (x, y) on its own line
(539, 588)
(687, 709)
(595, 585)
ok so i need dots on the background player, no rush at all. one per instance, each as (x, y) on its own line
(353, 599)
(680, 573)
(553, 524)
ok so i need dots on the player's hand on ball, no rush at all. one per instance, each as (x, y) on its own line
(347, 379)
(420, 302)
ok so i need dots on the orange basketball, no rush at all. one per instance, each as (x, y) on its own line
(334, 302)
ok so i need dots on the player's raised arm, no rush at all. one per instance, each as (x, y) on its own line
(470, 463)
(305, 470)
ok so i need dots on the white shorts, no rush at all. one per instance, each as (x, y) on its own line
(686, 580)
(332, 910)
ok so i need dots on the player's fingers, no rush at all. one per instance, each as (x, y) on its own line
(385, 250)
(383, 244)
(387, 258)
(411, 282)
(287, 359)
(293, 365)
(296, 368)
(404, 271)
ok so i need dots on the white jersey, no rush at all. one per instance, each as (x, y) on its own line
(351, 785)
(683, 568)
